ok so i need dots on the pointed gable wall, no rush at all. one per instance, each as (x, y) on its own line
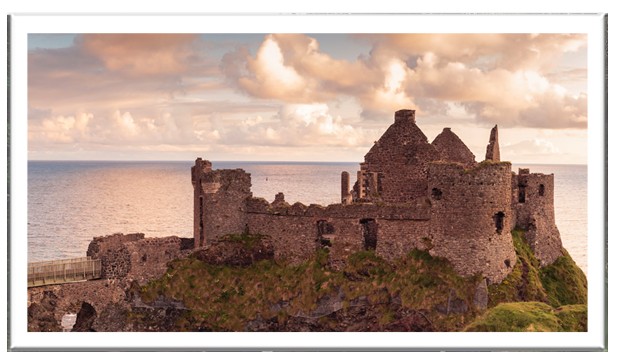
(395, 169)
(452, 149)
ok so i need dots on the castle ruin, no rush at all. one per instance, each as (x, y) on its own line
(408, 194)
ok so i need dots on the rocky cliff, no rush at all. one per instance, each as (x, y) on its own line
(210, 290)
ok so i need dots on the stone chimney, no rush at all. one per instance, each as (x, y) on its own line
(492, 149)
(405, 115)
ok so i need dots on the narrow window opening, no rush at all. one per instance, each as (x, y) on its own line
(201, 221)
(499, 218)
(379, 183)
(324, 228)
(436, 193)
(369, 233)
(521, 193)
(541, 190)
(507, 263)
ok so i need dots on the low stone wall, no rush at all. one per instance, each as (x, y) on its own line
(113, 253)
(135, 257)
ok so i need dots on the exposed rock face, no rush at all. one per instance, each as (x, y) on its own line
(492, 149)
(41, 315)
(480, 299)
(367, 318)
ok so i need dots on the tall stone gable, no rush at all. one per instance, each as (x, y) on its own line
(452, 149)
(394, 169)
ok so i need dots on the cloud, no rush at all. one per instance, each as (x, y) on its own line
(157, 91)
(485, 51)
(297, 125)
(61, 129)
(292, 68)
(509, 98)
(142, 54)
(119, 71)
(498, 78)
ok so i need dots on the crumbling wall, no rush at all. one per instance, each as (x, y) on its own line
(220, 201)
(134, 257)
(113, 253)
(492, 149)
(471, 218)
(533, 206)
(297, 231)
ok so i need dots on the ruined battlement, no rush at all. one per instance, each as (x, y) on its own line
(409, 194)
(135, 256)
(415, 211)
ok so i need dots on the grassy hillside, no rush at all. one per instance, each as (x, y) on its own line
(531, 316)
(417, 292)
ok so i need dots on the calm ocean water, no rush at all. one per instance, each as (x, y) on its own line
(69, 203)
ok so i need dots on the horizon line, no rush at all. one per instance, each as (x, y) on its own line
(239, 161)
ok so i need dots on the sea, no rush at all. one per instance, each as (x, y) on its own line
(70, 202)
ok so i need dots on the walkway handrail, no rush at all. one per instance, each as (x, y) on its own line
(63, 271)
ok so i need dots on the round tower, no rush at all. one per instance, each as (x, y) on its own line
(471, 218)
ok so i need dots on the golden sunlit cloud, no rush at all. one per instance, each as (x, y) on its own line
(286, 91)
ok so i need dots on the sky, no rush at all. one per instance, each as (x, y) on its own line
(302, 97)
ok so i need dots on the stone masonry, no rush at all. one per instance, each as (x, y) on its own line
(409, 194)
(492, 149)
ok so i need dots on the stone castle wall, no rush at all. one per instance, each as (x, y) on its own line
(297, 231)
(134, 257)
(394, 169)
(220, 201)
(471, 218)
(113, 252)
(532, 204)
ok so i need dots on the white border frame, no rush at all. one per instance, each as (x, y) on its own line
(591, 24)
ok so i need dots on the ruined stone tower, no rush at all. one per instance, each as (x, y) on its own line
(532, 205)
(219, 205)
(471, 218)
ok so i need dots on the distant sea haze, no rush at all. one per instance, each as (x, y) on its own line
(70, 202)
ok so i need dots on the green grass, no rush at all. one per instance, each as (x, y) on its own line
(225, 298)
(523, 283)
(564, 282)
(531, 317)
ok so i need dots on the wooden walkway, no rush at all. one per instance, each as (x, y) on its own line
(63, 271)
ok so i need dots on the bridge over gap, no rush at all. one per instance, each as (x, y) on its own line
(63, 271)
